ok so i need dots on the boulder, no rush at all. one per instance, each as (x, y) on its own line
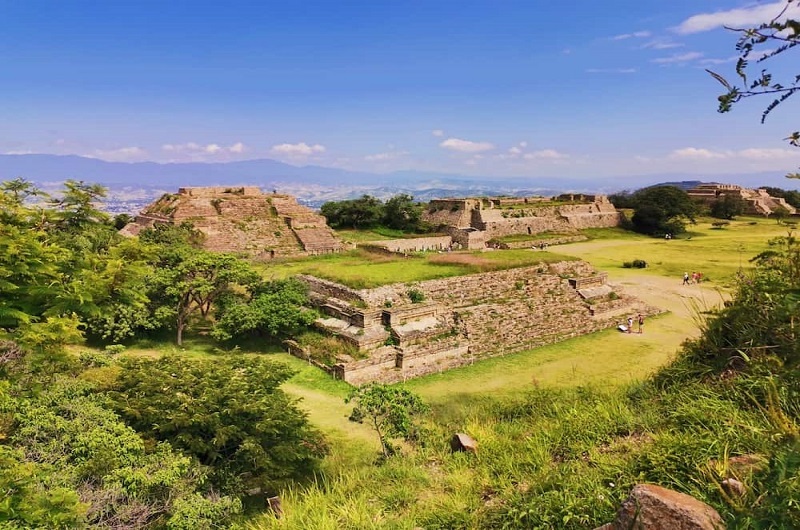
(463, 442)
(651, 507)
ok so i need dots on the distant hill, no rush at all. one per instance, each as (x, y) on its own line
(315, 185)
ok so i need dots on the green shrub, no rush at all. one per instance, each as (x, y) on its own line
(635, 264)
(415, 295)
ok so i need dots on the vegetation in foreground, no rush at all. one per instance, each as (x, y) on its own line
(728, 407)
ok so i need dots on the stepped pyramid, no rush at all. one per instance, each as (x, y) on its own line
(243, 220)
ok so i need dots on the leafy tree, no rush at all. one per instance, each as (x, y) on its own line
(196, 282)
(276, 310)
(660, 210)
(389, 410)
(728, 207)
(229, 413)
(763, 42)
(622, 199)
(780, 213)
(364, 212)
(402, 213)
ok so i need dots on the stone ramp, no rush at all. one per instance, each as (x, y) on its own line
(318, 240)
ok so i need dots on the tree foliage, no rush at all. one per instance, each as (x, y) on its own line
(389, 410)
(399, 212)
(757, 46)
(727, 207)
(274, 310)
(660, 210)
(228, 413)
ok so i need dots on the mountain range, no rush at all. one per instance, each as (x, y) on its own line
(316, 184)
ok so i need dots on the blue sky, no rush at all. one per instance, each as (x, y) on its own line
(538, 88)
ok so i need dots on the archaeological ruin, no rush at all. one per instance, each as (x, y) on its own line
(408, 330)
(243, 220)
(758, 202)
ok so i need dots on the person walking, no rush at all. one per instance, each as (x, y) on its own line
(685, 278)
(641, 322)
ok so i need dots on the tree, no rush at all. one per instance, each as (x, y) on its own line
(196, 283)
(764, 42)
(364, 212)
(229, 413)
(402, 213)
(728, 207)
(276, 310)
(389, 410)
(662, 210)
(780, 213)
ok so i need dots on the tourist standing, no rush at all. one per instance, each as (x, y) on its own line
(641, 322)
(630, 324)
(685, 278)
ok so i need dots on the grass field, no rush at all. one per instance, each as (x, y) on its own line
(360, 269)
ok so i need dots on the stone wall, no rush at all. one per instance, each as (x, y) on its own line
(329, 289)
(535, 243)
(416, 244)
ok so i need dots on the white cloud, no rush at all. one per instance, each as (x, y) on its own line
(515, 150)
(694, 153)
(676, 59)
(634, 35)
(384, 157)
(662, 45)
(195, 151)
(545, 154)
(438, 133)
(22, 152)
(123, 154)
(466, 146)
(737, 18)
(611, 71)
(718, 61)
(523, 144)
(768, 154)
(298, 150)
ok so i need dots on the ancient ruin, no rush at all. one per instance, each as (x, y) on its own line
(473, 223)
(407, 330)
(758, 201)
(243, 220)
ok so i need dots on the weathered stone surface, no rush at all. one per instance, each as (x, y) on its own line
(243, 219)
(461, 442)
(746, 464)
(652, 507)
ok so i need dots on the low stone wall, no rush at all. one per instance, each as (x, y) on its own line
(537, 242)
(417, 244)
(330, 289)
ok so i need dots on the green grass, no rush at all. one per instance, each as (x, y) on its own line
(718, 254)
(360, 269)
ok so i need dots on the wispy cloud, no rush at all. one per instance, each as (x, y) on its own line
(660, 44)
(634, 35)
(466, 146)
(437, 132)
(717, 61)
(611, 70)
(737, 18)
(753, 153)
(545, 154)
(385, 157)
(123, 154)
(196, 151)
(301, 149)
(678, 58)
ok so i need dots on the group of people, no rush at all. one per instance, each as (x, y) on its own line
(629, 328)
(694, 278)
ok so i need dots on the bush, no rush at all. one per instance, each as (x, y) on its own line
(416, 296)
(635, 264)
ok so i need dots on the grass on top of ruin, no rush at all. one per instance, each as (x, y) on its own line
(361, 269)
(380, 233)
